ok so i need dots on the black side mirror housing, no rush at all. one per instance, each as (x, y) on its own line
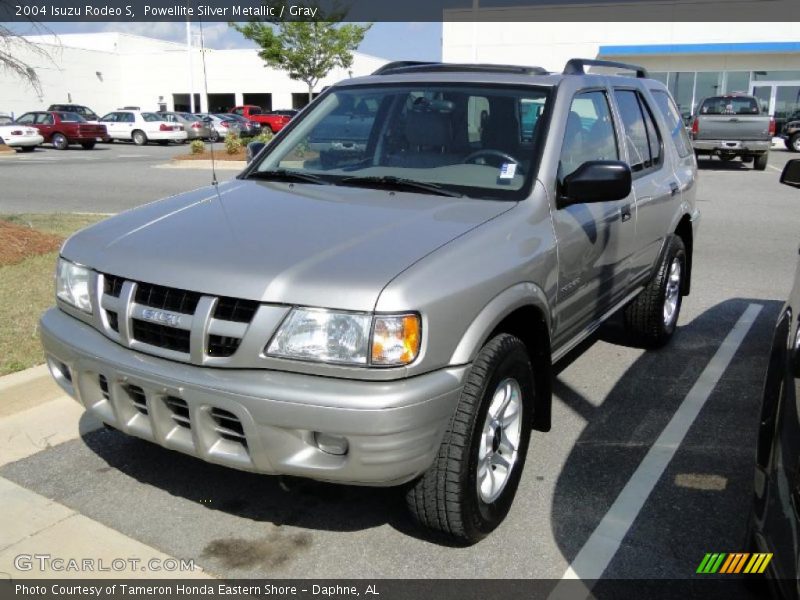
(791, 173)
(597, 181)
(253, 148)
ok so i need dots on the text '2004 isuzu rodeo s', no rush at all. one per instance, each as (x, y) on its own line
(389, 316)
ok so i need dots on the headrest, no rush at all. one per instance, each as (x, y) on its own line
(429, 128)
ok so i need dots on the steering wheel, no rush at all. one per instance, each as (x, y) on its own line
(497, 154)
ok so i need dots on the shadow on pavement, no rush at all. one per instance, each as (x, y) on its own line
(701, 501)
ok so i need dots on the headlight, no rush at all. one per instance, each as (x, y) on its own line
(72, 285)
(312, 334)
(344, 338)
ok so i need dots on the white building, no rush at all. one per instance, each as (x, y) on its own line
(694, 59)
(106, 71)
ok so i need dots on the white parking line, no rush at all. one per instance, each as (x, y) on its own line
(598, 551)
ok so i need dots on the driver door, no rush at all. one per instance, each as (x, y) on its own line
(595, 240)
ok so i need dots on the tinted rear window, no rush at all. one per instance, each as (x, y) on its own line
(71, 117)
(150, 117)
(728, 105)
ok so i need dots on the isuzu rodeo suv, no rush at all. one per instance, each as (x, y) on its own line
(389, 315)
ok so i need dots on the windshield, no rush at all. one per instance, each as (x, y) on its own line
(727, 105)
(477, 140)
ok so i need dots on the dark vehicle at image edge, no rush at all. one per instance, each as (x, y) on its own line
(775, 520)
(389, 315)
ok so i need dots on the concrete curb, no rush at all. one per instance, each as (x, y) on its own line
(22, 377)
(221, 165)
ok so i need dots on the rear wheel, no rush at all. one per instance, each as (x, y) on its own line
(163, 142)
(88, 145)
(470, 487)
(726, 157)
(139, 137)
(652, 316)
(25, 148)
(214, 137)
(59, 141)
(761, 161)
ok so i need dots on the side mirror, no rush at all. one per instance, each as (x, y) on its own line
(597, 181)
(791, 173)
(253, 148)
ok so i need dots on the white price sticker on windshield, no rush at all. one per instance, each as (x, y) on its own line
(508, 170)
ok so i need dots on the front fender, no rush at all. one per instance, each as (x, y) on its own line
(506, 302)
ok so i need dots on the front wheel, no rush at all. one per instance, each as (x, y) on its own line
(652, 316)
(793, 143)
(469, 489)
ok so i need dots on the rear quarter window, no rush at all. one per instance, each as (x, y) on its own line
(674, 122)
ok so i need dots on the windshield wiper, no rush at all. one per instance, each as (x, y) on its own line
(287, 175)
(392, 182)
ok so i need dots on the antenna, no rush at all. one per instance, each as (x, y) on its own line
(214, 180)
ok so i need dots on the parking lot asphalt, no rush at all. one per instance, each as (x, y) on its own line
(78, 180)
(612, 402)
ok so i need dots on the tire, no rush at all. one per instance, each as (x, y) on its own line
(139, 137)
(88, 145)
(726, 157)
(793, 143)
(447, 498)
(652, 316)
(60, 141)
(27, 148)
(214, 137)
(748, 159)
(760, 162)
(163, 142)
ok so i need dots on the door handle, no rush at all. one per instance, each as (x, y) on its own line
(625, 211)
(674, 188)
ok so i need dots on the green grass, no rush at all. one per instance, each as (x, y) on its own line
(27, 291)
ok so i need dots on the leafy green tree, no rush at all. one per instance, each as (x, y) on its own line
(307, 50)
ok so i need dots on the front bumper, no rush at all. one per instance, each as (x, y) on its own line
(732, 147)
(393, 428)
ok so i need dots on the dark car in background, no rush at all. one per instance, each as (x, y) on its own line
(791, 133)
(84, 111)
(247, 127)
(64, 128)
(775, 520)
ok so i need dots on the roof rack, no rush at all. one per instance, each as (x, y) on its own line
(407, 66)
(575, 66)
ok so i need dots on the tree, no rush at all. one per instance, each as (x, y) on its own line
(13, 44)
(307, 50)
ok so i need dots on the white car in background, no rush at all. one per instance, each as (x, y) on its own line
(142, 127)
(18, 136)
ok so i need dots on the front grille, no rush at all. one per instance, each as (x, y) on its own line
(136, 394)
(180, 411)
(228, 426)
(220, 345)
(235, 309)
(112, 285)
(161, 336)
(157, 296)
(113, 320)
(103, 386)
(184, 302)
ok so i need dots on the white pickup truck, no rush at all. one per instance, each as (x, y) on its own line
(731, 126)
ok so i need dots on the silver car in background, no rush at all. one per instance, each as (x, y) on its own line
(219, 126)
(193, 125)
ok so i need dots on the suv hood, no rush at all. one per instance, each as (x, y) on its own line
(313, 245)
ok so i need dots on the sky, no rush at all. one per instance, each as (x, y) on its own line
(393, 41)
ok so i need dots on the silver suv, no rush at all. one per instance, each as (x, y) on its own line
(384, 308)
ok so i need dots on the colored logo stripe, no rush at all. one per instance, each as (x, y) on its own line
(735, 562)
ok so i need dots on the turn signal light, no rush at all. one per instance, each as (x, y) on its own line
(395, 339)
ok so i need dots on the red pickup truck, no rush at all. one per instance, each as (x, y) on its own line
(275, 120)
(64, 128)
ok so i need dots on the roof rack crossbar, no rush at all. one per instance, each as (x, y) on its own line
(575, 66)
(404, 66)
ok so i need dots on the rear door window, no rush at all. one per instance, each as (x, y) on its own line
(642, 138)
